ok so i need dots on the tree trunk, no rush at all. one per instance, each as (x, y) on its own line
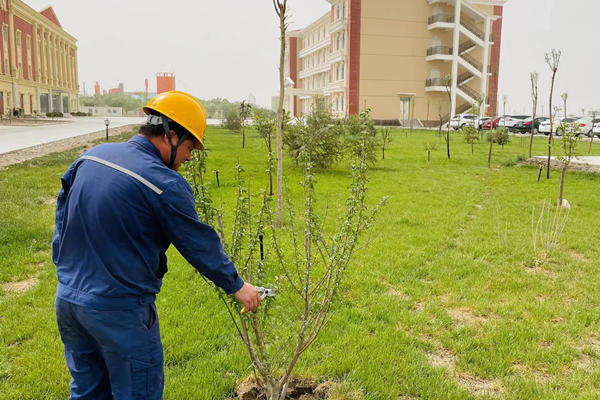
(591, 140)
(532, 127)
(562, 184)
(243, 135)
(427, 123)
(383, 153)
(270, 169)
(551, 128)
(282, 28)
(448, 140)
(490, 156)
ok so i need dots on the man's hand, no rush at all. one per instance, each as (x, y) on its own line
(248, 295)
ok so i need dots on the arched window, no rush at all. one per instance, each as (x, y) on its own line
(344, 9)
(337, 10)
(343, 71)
(344, 40)
(337, 72)
(337, 47)
(336, 104)
(343, 102)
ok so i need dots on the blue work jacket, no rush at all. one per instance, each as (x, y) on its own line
(119, 210)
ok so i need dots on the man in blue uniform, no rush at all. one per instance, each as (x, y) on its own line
(120, 208)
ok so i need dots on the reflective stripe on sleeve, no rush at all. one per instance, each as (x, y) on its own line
(125, 171)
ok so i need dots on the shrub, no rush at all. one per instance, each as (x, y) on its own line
(232, 121)
(89, 114)
(361, 136)
(318, 136)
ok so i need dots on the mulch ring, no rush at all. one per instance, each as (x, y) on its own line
(298, 389)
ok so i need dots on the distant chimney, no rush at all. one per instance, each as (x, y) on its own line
(96, 88)
(146, 85)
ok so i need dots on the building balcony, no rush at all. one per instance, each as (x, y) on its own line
(321, 44)
(317, 69)
(435, 85)
(441, 21)
(337, 56)
(336, 87)
(339, 25)
(439, 53)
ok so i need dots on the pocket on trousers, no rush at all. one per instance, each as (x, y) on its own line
(149, 316)
(147, 375)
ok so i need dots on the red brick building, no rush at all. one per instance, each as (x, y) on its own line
(38, 70)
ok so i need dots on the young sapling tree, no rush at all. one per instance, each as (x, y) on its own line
(570, 139)
(565, 97)
(245, 110)
(553, 61)
(386, 139)
(412, 113)
(593, 124)
(448, 84)
(471, 136)
(428, 103)
(534, 97)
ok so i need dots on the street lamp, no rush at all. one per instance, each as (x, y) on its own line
(107, 123)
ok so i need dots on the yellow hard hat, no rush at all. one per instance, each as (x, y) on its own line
(182, 108)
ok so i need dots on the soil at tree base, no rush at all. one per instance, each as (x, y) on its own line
(298, 389)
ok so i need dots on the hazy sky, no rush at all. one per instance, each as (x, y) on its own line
(229, 48)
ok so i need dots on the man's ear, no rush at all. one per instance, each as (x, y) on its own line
(174, 138)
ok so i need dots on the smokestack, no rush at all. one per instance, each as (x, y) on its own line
(146, 85)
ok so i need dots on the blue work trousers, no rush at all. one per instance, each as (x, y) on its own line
(112, 354)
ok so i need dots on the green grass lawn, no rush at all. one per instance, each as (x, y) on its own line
(450, 302)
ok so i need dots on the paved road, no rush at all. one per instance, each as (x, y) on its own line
(19, 137)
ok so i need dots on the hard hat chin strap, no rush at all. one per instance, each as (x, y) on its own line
(157, 120)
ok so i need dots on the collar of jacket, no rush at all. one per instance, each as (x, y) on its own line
(146, 144)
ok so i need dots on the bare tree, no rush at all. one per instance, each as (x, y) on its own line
(553, 61)
(534, 97)
(504, 101)
(412, 113)
(428, 102)
(245, 110)
(592, 139)
(441, 107)
(282, 11)
(448, 83)
(564, 98)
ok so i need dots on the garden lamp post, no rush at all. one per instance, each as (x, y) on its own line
(107, 123)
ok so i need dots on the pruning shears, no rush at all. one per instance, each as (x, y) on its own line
(264, 292)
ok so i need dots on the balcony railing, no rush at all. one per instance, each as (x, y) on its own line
(464, 77)
(441, 18)
(476, 64)
(445, 50)
(435, 82)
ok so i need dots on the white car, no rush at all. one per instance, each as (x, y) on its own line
(565, 123)
(586, 125)
(545, 126)
(511, 120)
(596, 130)
(462, 120)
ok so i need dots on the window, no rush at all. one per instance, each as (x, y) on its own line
(343, 71)
(29, 70)
(109, 110)
(337, 72)
(18, 39)
(20, 68)
(4, 33)
(337, 44)
(319, 58)
(6, 66)
(28, 43)
(337, 13)
(342, 102)
(344, 40)
(343, 11)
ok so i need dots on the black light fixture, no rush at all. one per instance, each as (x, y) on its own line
(107, 123)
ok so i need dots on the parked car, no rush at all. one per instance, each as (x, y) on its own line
(545, 125)
(482, 121)
(512, 120)
(564, 123)
(524, 126)
(491, 124)
(586, 125)
(462, 120)
(596, 129)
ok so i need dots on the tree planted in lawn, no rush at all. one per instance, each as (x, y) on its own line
(592, 138)
(553, 61)
(441, 107)
(361, 136)
(471, 136)
(306, 267)
(386, 139)
(282, 11)
(245, 110)
(499, 136)
(565, 97)
(534, 97)
(448, 84)
(265, 122)
(570, 138)
(428, 103)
